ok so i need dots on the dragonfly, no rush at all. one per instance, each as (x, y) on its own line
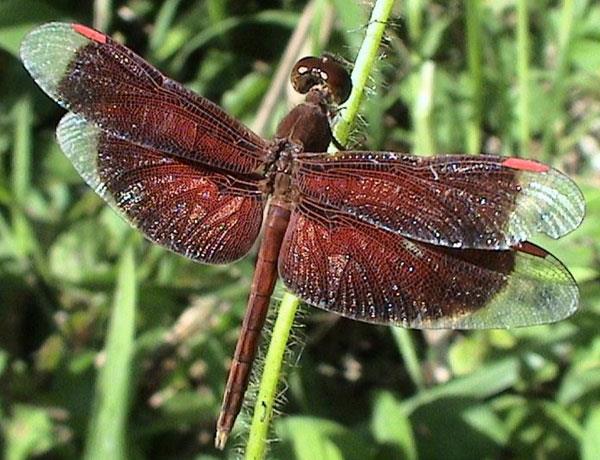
(381, 237)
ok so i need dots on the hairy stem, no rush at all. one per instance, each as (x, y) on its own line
(263, 408)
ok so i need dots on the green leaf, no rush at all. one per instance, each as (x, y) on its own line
(29, 432)
(483, 383)
(583, 376)
(483, 419)
(432, 39)
(314, 438)
(450, 426)
(390, 425)
(590, 447)
(245, 94)
(563, 419)
(467, 354)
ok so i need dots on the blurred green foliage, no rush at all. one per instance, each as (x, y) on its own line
(532, 392)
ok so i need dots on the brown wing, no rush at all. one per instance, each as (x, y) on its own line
(90, 74)
(203, 214)
(459, 201)
(355, 269)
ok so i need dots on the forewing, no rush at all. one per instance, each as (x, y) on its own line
(363, 272)
(90, 74)
(483, 202)
(205, 215)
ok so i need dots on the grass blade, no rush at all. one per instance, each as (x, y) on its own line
(106, 435)
(102, 14)
(164, 21)
(473, 12)
(558, 90)
(21, 176)
(523, 74)
(406, 346)
(424, 141)
(414, 19)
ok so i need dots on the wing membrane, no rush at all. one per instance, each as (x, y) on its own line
(483, 202)
(90, 74)
(205, 215)
(373, 275)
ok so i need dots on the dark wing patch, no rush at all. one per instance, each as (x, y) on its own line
(205, 215)
(90, 74)
(481, 202)
(373, 275)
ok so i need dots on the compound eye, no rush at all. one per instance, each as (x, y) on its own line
(312, 71)
(337, 80)
(306, 74)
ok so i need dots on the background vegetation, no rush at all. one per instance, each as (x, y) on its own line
(509, 77)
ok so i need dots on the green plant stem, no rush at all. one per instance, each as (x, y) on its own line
(106, 433)
(263, 408)
(164, 20)
(21, 179)
(21, 176)
(473, 15)
(363, 65)
(523, 74)
(414, 16)
(424, 142)
(557, 91)
(102, 14)
(407, 349)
